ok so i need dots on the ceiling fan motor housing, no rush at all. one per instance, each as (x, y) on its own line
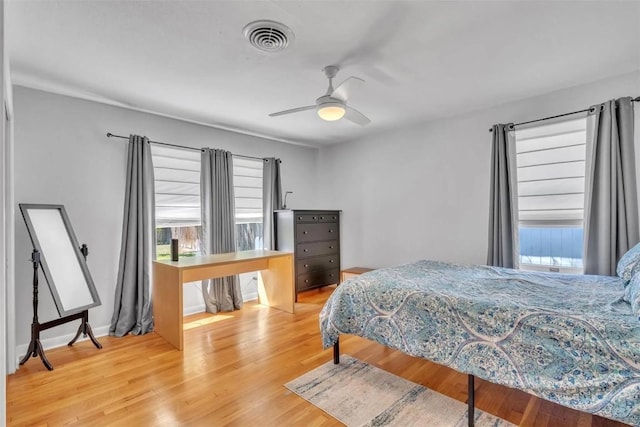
(326, 99)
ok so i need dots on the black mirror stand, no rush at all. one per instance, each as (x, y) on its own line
(35, 346)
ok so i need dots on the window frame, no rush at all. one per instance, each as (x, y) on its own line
(547, 138)
(242, 191)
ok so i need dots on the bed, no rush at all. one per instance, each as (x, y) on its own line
(569, 339)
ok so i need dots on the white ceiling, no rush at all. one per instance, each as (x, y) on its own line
(421, 60)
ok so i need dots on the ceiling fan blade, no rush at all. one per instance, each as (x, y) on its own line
(293, 110)
(356, 117)
(373, 45)
(343, 89)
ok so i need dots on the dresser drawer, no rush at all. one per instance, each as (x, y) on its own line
(316, 231)
(306, 218)
(318, 278)
(318, 263)
(328, 217)
(306, 250)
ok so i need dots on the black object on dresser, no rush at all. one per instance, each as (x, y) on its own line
(314, 238)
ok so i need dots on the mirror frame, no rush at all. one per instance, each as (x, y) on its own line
(24, 208)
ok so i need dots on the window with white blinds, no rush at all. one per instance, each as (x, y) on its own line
(551, 179)
(551, 169)
(177, 186)
(247, 182)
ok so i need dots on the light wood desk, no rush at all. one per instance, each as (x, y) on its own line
(275, 284)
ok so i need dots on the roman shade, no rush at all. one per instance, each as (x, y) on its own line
(551, 168)
(247, 179)
(177, 186)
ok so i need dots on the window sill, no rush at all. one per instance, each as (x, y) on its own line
(551, 269)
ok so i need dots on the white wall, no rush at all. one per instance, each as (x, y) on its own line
(62, 156)
(423, 192)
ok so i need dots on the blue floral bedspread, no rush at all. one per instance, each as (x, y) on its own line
(566, 338)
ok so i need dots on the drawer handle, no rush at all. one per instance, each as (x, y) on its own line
(300, 218)
(330, 274)
(330, 231)
(306, 280)
(333, 217)
(321, 217)
(330, 247)
(305, 250)
(304, 232)
(314, 217)
(307, 265)
(331, 261)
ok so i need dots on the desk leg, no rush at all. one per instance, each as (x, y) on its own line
(276, 286)
(167, 304)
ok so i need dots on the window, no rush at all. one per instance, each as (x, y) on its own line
(177, 192)
(551, 170)
(247, 183)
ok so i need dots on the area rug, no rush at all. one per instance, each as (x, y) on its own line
(358, 394)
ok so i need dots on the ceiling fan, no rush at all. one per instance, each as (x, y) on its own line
(332, 105)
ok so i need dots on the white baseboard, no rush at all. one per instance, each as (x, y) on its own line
(200, 308)
(102, 331)
(250, 297)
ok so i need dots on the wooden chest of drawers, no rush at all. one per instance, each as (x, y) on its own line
(314, 238)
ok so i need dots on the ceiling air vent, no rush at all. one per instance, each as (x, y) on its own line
(268, 36)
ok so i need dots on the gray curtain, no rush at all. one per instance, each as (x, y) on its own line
(218, 227)
(271, 199)
(611, 203)
(503, 209)
(133, 312)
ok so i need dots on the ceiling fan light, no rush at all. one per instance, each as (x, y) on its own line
(331, 111)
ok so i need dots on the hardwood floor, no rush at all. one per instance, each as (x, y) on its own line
(231, 372)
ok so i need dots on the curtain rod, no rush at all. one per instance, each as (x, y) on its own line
(560, 115)
(110, 135)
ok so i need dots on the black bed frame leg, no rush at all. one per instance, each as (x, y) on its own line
(336, 352)
(471, 403)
